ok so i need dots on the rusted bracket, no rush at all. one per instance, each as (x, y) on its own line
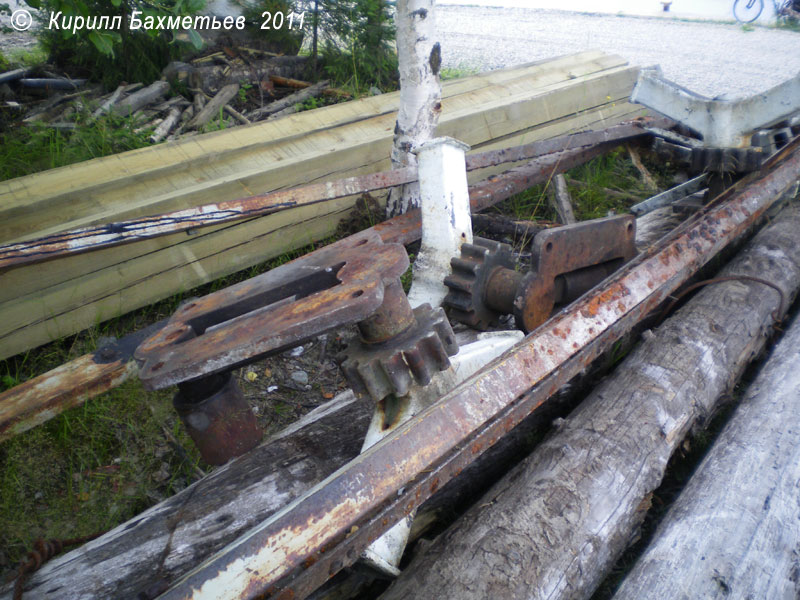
(340, 284)
(566, 262)
(299, 548)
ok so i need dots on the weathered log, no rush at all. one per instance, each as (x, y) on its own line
(166, 125)
(237, 115)
(129, 105)
(558, 521)
(169, 538)
(213, 106)
(299, 85)
(13, 75)
(500, 225)
(52, 83)
(108, 103)
(559, 197)
(287, 101)
(214, 77)
(733, 531)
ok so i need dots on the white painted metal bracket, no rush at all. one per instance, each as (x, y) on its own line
(722, 123)
(446, 221)
(384, 554)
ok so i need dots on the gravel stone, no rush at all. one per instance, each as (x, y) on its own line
(712, 59)
(300, 377)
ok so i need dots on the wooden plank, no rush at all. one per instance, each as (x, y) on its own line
(45, 304)
(360, 159)
(557, 522)
(736, 509)
(60, 298)
(65, 198)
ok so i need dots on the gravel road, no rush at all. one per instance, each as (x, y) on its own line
(712, 59)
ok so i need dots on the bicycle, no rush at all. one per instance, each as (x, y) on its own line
(747, 11)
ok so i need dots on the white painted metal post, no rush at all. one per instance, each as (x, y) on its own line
(446, 222)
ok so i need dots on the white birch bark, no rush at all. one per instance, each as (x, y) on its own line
(419, 58)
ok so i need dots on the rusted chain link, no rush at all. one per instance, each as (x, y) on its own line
(776, 314)
(44, 550)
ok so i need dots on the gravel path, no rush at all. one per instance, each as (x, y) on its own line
(709, 58)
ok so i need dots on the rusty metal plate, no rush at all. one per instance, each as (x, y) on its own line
(339, 284)
(570, 249)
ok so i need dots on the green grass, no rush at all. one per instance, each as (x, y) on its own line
(457, 72)
(611, 172)
(26, 149)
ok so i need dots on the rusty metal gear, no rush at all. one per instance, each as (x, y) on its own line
(468, 282)
(413, 356)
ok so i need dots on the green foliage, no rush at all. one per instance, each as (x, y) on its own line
(356, 40)
(29, 149)
(112, 55)
(280, 35)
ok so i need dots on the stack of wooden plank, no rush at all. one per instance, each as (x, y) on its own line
(49, 300)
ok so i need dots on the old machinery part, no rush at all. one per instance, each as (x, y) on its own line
(721, 123)
(352, 281)
(342, 284)
(413, 356)
(715, 160)
(471, 273)
(297, 549)
(566, 262)
(217, 417)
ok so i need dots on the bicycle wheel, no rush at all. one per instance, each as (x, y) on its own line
(747, 11)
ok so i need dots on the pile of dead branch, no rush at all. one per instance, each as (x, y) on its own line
(224, 88)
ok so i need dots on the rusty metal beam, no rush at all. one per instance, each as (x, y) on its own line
(540, 148)
(104, 236)
(38, 400)
(299, 548)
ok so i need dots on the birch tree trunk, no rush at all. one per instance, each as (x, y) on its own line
(734, 531)
(554, 526)
(419, 58)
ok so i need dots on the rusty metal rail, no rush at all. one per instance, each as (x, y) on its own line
(113, 234)
(299, 548)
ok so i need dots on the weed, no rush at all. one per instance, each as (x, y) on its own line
(27, 57)
(747, 28)
(245, 87)
(457, 72)
(33, 148)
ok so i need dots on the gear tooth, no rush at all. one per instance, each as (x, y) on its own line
(464, 267)
(489, 245)
(458, 301)
(417, 362)
(396, 371)
(446, 335)
(374, 379)
(436, 349)
(458, 282)
(473, 252)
